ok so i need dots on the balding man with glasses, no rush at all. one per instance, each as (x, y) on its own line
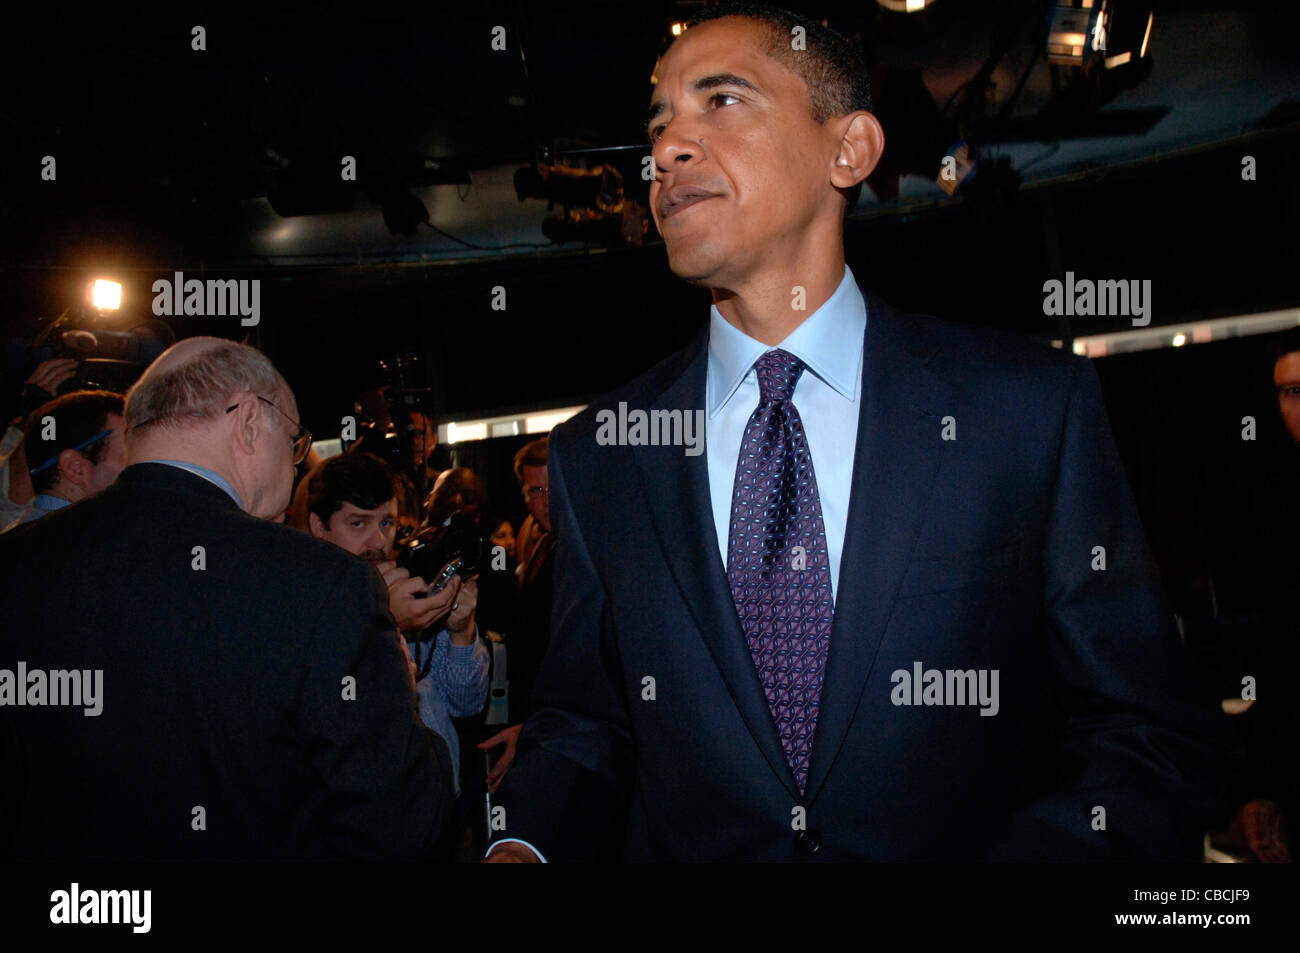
(256, 702)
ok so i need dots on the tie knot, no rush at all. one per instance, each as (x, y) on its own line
(778, 372)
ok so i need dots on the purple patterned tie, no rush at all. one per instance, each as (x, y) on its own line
(777, 560)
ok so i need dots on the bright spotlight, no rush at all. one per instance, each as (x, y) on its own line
(106, 295)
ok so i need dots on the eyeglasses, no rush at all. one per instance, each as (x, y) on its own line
(537, 492)
(301, 440)
(78, 448)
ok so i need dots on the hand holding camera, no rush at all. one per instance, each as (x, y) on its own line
(407, 600)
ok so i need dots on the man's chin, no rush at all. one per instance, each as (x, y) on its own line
(696, 265)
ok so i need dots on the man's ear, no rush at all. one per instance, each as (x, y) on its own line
(250, 423)
(316, 526)
(74, 468)
(861, 143)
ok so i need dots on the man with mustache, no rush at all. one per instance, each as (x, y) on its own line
(352, 503)
(771, 651)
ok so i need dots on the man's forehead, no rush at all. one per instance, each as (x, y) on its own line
(1287, 367)
(732, 45)
(352, 511)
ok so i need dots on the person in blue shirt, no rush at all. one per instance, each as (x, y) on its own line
(74, 448)
(352, 503)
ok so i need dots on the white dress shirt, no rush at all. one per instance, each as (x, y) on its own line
(827, 396)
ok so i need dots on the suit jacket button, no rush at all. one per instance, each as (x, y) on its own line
(808, 842)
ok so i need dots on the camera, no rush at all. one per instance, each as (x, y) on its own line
(437, 553)
(386, 428)
(106, 359)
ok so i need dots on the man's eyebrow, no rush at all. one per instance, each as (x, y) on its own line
(703, 84)
(723, 79)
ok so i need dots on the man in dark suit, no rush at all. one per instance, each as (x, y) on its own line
(899, 608)
(231, 689)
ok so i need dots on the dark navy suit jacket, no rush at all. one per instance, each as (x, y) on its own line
(971, 553)
(223, 689)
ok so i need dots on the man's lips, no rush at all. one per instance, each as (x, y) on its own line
(679, 197)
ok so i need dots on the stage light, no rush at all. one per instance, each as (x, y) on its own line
(106, 295)
(905, 6)
(1179, 340)
(1076, 31)
(678, 28)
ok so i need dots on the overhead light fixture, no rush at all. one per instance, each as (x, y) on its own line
(905, 6)
(458, 433)
(1077, 30)
(512, 425)
(1081, 32)
(1198, 332)
(596, 210)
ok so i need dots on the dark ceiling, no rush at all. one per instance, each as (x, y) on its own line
(166, 155)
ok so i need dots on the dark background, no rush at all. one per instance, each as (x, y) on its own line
(169, 159)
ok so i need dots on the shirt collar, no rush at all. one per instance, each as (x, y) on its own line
(829, 342)
(209, 475)
(48, 502)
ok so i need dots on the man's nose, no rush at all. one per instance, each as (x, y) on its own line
(677, 145)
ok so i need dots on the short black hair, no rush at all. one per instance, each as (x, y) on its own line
(361, 479)
(831, 67)
(78, 417)
(1283, 343)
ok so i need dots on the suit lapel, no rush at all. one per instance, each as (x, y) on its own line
(896, 457)
(677, 487)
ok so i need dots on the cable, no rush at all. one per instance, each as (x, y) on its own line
(461, 241)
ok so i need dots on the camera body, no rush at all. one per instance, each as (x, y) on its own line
(106, 359)
(436, 553)
(385, 412)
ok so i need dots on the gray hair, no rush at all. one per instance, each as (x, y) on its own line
(200, 385)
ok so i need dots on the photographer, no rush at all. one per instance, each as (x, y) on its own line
(352, 504)
(83, 454)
